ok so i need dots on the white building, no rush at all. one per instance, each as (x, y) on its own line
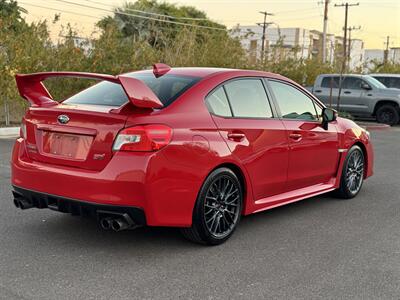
(302, 43)
(296, 39)
(356, 57)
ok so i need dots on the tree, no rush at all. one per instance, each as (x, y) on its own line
(133, 23)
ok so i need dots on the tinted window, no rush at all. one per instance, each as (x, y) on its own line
(352, 83)
(218, 103)
(248, 98)
(328, 82)
(395, 82)
(293, 104)
(391, 82)
(384, 80)
(167, 88)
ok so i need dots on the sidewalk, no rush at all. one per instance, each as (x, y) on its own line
(9, 132)
(373, 126)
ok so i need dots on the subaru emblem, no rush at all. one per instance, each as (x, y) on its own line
(63, 119)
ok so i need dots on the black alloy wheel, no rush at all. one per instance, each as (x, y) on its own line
(218, 208)
(352, 174)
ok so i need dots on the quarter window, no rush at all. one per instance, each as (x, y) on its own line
(218, 104)
(248, 98)
(292, 103)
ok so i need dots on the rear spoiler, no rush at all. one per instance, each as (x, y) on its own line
(31, 88)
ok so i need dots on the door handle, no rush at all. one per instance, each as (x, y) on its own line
(295, 136)
(236, 136)
(317, 91)
(346, 92)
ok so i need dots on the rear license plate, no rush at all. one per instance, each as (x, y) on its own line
(70, 146)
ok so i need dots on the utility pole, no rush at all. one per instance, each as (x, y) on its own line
(343, 69)
(263, 38)
(324, 31)
(386, 53)
(350, 29)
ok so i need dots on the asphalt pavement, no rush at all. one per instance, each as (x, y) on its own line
(319, 248)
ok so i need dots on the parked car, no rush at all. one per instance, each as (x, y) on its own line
(361, 96)
(389, 80)
(194, 148)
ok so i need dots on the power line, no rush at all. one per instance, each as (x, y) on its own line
(325, 28)
(264, 26)
(59, 10)
(142, 17)
(151, 13)
(350, 29)
(343, 69)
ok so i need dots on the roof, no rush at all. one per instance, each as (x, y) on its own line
(189, 71)
(204, 72)
(384, 75)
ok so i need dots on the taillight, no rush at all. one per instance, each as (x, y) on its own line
(22, 130)
(143, 138)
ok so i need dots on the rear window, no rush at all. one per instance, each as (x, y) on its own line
(167, 88)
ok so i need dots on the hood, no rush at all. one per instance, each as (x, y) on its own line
(392, 92)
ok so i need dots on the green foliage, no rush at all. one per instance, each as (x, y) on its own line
(389, 67)
(127, 44)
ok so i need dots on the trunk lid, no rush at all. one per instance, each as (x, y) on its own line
(78, 136)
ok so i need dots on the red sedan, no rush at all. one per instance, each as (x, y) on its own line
(195, 148)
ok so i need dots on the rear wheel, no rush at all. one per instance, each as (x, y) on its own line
(388, 114)
(217, 210)
(352, 174)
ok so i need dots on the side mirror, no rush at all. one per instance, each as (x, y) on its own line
(366, 86)
(328, 115)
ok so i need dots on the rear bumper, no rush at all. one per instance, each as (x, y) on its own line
(76, 207)
(165, 192)
(121, 182)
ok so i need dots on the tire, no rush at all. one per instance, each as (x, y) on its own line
(388, 114)
(352, 168)
(217, 210)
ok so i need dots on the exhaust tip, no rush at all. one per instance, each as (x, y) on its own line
(119, 224)
(105, 223)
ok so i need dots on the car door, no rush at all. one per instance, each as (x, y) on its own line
(313, 155)
(245, 119)
(351, 96)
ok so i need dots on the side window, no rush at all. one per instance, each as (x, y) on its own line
(352, 83)
(217, 103)
(330, 81)
(395, 83)
(292, 103)
(248, 98)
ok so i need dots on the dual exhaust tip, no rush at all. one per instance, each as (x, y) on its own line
(22, 203)
(116, 223)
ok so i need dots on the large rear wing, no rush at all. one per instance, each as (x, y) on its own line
(31, 87)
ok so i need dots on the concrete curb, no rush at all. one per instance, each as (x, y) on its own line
(9, 132)
(374, 126)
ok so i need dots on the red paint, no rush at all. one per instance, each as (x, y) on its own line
(31, 87)
(280, 161)
(160, 69)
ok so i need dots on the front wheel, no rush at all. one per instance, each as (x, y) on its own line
(217, 210)
(352, 174)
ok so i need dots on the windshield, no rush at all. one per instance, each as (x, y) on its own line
(374, 82)
(167, 88)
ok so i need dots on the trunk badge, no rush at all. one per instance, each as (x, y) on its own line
(63, 119)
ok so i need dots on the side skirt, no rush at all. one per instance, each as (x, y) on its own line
(294, 196)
